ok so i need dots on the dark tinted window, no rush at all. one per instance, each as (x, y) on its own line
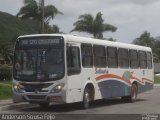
(149, 60)
(134, 59)
(87, 56)
(123, 60)
(142, 59)
(112, 57)
(99, 56)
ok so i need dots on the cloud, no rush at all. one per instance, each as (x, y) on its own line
(10, 6)
(132, 17)
(137, 2)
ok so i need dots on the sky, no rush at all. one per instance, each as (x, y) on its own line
(131, 17)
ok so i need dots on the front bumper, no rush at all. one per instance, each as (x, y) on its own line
(38, 98)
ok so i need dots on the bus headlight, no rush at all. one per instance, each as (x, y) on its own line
(18, 87)
(57, 88)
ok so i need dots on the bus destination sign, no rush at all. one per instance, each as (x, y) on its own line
(33, 42)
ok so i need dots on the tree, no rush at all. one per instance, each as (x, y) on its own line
(53, 29)
(33, 10)
(6, 53)
(112, 39)
(96, 26)
(157, 46)
(156, 58)
(145, 39)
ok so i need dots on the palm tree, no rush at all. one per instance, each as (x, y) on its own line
(96, 26)
(33, 10)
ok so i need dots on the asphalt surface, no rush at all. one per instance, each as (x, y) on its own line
(147, 103)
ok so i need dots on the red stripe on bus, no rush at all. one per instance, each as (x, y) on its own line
(111, 76)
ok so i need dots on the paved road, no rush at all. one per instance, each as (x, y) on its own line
(148, 102)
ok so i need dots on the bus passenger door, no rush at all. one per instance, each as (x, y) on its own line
(73, 71)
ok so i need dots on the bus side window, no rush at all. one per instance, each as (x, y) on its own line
(73, 60)
(149, 60)
(123, 59)
(112, 57)
(143, 59)
(99, 56)
(134, 64)
(86, 55)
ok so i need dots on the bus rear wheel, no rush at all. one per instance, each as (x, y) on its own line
(133, 94)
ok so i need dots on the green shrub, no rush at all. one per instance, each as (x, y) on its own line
(5, 92)
(5, 72)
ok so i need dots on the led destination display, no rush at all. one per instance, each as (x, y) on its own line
(40, 42)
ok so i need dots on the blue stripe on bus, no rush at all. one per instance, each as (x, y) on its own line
(114, 88)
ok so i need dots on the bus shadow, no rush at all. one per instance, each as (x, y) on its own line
(77, 106)
(111, 102)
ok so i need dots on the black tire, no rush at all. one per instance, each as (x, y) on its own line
(86, 98)
(44, 105)
(133, 94)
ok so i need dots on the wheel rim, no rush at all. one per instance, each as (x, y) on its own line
(86, 100)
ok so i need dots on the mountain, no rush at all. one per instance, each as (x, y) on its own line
(11, 27)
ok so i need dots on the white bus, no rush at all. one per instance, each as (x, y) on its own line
(59, 69)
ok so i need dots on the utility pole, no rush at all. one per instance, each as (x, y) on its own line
(42, 5)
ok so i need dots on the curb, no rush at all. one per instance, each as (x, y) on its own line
(15, 105)
(156, 85)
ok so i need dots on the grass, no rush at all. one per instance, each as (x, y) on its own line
(157, 79)
(5, 89)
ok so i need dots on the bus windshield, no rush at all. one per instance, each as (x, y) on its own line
(39, 64)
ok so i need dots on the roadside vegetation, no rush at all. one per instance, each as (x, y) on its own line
(5, 89)
(5, 81)
(157, 79)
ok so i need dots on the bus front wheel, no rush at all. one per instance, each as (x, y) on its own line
(86, 98)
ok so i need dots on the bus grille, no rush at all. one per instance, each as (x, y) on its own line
(28, 87)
